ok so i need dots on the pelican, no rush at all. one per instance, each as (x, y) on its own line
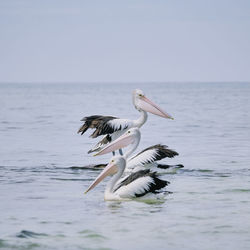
(112, 127)
(142, 183)
(145, 159)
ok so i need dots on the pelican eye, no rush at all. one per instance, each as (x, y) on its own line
(128, 132)
(112, 161)
(140, 95)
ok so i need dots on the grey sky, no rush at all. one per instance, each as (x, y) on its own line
(85, 41)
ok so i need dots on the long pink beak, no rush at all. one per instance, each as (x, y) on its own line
(110, 169)
(149, 106)
(121, 142)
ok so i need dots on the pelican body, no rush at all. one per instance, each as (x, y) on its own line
(111, 127)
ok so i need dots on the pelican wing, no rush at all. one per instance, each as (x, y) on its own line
(140, 183)
(103, 125)
(150, 155)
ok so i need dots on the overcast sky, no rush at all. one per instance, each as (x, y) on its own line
(126, 40)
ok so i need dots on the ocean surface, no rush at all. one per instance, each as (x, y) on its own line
(42, 200)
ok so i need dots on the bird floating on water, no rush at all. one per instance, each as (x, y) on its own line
(147, 158)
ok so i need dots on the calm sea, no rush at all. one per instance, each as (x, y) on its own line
(42, 205)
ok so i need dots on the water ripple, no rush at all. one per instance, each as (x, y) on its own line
(30, 234)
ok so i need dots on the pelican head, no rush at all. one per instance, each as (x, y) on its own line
(132, 136)
(116, 164)
(141, 102)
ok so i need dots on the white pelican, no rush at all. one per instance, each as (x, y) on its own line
(112, 127)
(145, 159)
(142, 183)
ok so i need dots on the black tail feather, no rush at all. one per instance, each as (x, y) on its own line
(166, 166)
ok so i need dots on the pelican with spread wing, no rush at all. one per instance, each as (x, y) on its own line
(111, 127)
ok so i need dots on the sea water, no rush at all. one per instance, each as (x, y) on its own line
(42, 201)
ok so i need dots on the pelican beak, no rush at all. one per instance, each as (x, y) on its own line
(121, 142)
(110, 169)
(147, 105)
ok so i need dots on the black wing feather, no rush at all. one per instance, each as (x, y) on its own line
(157, 183)
(97, 122)
(162, 151)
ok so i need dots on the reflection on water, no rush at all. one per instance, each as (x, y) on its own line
(43, 173)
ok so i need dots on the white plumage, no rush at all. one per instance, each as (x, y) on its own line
(142, 159)
(135, 188)
(121, 124)
(148, 158)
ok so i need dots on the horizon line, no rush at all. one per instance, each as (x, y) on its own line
(118, 82)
